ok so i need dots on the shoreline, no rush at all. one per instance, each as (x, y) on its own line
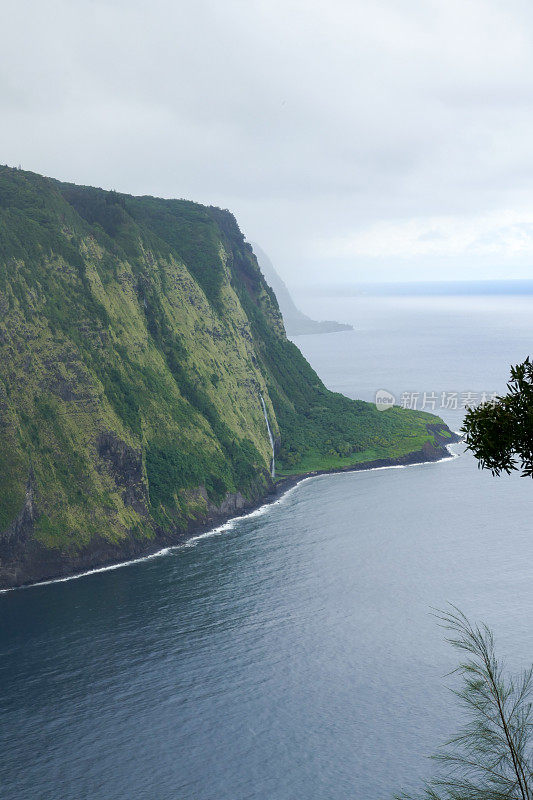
(220, 521)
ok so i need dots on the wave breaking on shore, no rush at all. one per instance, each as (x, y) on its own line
(227, 526)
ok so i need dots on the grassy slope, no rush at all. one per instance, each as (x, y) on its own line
(314, 460)
(136, 336)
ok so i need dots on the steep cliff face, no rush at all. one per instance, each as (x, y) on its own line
(137, 338)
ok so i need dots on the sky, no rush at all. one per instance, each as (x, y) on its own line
(354, 141)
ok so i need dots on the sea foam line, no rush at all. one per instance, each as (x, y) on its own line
(108, 568)
(230, 524)
(224, 527)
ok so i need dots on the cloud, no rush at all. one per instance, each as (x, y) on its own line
(310, 120)
(505, 234)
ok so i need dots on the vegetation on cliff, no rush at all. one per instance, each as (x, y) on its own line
(137, 336)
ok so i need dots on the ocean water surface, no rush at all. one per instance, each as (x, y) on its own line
(292, 654)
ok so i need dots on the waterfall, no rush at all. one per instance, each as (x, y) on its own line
(273, 463)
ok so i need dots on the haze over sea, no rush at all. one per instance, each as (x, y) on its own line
(293, 653)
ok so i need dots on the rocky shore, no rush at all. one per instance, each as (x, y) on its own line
(35, 564)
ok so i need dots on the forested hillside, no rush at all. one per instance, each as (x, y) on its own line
(137, 338)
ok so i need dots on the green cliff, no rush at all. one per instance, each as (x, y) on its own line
(137, 338)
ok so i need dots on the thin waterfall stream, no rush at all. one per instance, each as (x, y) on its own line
(273, 463)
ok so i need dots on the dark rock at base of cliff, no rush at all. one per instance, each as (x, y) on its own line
(29, 562)
(24, 561)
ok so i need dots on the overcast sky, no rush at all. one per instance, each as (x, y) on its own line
(353, 140)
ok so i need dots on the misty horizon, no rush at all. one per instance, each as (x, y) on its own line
(496, 286)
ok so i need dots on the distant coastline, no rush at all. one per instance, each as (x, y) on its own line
(296, 322)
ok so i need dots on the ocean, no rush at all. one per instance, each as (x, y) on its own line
(293, 653)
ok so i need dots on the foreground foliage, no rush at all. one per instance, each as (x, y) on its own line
(500, 433)
(492, 756)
